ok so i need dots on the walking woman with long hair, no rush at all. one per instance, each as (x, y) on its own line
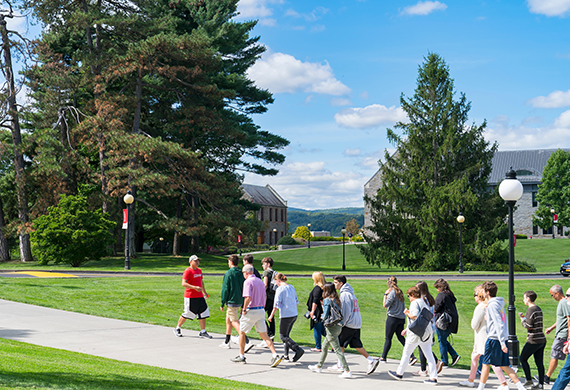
(286, 301)
(331, 298)
(315, 309)
(394, 302)
(445, 304)
(430, 302)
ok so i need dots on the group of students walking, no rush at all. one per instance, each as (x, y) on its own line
(334, 314)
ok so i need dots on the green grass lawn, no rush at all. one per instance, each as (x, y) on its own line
(158, 300)
(26, 366)
(545, 254)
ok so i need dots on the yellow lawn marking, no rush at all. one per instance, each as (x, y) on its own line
(40, 274)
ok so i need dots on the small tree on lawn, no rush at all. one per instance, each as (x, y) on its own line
(353, 227)
(71, 233)
(302, 232)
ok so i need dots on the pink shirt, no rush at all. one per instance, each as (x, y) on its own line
(255, 289)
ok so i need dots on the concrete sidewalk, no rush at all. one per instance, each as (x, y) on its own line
(158, 346)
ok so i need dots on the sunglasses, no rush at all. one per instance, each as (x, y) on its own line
(567, 295)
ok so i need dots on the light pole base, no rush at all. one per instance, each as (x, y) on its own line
(513, 345)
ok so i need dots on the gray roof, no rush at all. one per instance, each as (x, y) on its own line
(528, 164)
(264, 196)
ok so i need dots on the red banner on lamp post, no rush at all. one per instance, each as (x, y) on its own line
(125, 218)
(555, 218)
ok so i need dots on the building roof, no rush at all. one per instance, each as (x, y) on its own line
(264, 196)
(529, 165)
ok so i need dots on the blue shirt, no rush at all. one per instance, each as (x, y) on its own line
(286, 301)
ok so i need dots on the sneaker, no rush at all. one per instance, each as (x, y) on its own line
(501, 387)
(383, 360)
(238, 359)
(439, 366)
(285, 359)
(335, 368)
(546, 379)
(204, 335)
(178, 332)
(346, 375)
(432, 382)
(395, 375)
(413, 360)
(528, 384)
(467, 384)
(225, 345)
(315, 368)
(263, 344)
(235, 339)
(275, 360)
(300, 352)
(248, 347)
(455, 360)
(538, 386)
(372, 366)
(316, 350)
(420, 373)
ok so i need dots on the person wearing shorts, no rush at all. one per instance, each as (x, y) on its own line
(195, 295)
(561, 335)
(253, 315)
(564, 375)
(496, 351)
(351, 324)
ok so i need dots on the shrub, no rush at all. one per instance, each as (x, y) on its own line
(71, 233)
(302, 232)
(521, 236)
(519, 266)
(287, 240)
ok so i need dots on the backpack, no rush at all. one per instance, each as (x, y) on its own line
(335, 316)
(444, 321)
(272, 284)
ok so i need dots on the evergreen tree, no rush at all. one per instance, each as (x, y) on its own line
(440, 168)
(554, 192)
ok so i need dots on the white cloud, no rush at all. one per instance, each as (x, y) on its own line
(312, 16)
(352, 152)
(553, 100)
(364, 95)
(370, 116)
(313, 186)
(424, 8)
(511, 137)
(340, 102)
(252, 9)
(269, 22)
(284, 73)
(549, 7)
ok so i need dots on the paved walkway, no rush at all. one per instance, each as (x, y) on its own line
(157, 346)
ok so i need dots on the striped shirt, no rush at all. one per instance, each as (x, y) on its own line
(533, 325)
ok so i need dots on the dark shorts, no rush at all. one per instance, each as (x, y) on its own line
(195, 308)
(494, 355)
(350, 337)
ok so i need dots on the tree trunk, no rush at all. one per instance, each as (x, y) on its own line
(24, 236)
(177, 235)
(195, 237)
(4, 248)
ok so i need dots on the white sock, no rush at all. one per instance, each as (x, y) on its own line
(370, 359)
(242, 356)
(274, 355)
(520, 385)
(481, 386)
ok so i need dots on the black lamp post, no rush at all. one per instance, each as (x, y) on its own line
(309, 226)
(343, 231)
(275, 236)
(511, 190)
(128, 199)
(553, 213)
(161, 242)
(460, 219)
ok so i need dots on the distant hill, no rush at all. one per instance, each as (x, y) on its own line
(331, 220)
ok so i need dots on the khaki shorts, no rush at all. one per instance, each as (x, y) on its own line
(255, 317)
(233, 313)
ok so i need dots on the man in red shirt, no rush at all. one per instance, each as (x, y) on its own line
(194, 298)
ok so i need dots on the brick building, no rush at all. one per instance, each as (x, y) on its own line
(273, 212)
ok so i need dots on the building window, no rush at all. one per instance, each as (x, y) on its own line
(270, 214)
(534, 202)
(560, 230)
(535, 230)
(282, 214)
(276, 215)
(547, 231)
(261, 214)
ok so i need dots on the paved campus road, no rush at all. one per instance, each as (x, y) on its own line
(157, 346)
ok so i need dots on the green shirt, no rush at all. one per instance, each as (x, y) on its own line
(562, 311)
(232, 287)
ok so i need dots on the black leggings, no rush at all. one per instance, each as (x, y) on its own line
(268, 310)
(536, 350)
(393, 326)
(285, 326)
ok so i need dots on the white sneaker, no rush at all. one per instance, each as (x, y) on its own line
(225, 345)
(501, 387)
(248, 347)
(235, 339)
(263, 344)
(346, 375)
(420, 373)
(335, 368)
(315, 368)
(466, 383)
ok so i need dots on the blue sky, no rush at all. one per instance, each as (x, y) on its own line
(337, 69)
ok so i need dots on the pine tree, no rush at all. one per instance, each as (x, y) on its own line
(440, 168)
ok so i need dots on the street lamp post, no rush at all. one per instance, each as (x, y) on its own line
(275, 236)
(343, 231)
(128, 199)
(511, 190)
(161, 242)
(309, 226)
(553, 213)
(460, 219)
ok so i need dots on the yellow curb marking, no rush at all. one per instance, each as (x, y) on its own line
(40, 274)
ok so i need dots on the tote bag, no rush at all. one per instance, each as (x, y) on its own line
(422, 321)
(335, 316)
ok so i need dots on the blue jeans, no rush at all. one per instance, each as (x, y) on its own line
(318, 331)
(563, 377)
(444, 345)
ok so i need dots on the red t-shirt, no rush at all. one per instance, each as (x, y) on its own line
(193, 277)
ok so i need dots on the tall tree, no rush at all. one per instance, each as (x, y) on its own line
(440, 168)
(554, 192)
